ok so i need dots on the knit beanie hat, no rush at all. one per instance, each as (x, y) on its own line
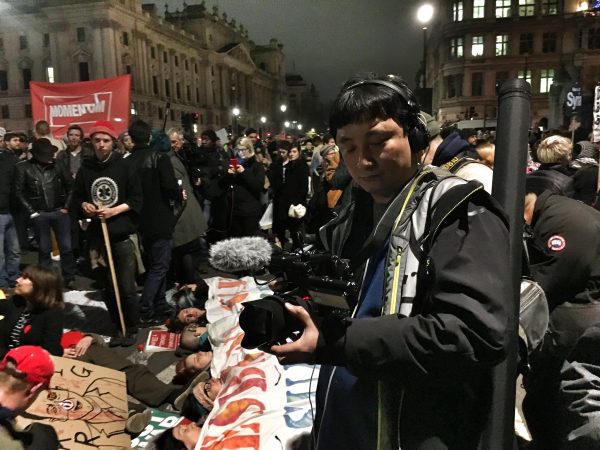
(451, 146)
(586, 150)
(103, 126)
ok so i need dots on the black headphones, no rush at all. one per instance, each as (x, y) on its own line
(418, 136)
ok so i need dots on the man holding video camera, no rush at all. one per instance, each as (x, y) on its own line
(412, 368)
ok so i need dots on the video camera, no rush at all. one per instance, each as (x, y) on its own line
(321, 283)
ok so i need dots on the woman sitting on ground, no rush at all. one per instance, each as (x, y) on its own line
(34, 314)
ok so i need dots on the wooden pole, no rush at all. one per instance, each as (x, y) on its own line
(113, 274)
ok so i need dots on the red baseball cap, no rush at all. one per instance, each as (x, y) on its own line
(103, 126)
(71, 338)
(33, 363)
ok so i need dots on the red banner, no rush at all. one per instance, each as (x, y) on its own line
(83, 103)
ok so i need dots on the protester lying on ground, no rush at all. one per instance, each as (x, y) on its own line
(191, 365)
(142, 384)
(198, 404)
(34, 314)
(185, 317)
(194, 338)
(24, 372)
(181, 437)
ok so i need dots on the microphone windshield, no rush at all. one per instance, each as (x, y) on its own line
(245, 254)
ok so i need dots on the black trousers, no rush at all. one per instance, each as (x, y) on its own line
(141, 383)
(126, 269)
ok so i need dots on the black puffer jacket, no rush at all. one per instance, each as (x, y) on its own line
(290, 186)
(210, 165)
(42, 187)
(551, 177)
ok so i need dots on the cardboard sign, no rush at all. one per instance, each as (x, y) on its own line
(64, 104)
(159, 422)
(162, 340)
(86, 405)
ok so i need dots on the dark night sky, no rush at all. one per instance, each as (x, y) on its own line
(327, 41)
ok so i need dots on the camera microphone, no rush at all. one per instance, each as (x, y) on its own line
(245, 254)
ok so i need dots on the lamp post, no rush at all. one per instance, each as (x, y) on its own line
(235, 113)
(263, 120)
(424, 16)
(283, 109)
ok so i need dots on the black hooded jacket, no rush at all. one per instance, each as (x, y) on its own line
(112, 182)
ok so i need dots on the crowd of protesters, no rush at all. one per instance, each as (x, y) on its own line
(166, 197)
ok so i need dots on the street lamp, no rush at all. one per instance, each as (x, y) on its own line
(286, 124)
(283, 108)
(300, 126)
(263, 119)
(424, 16)
(235, 112)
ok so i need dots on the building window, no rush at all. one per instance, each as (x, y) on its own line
(23, 44)
(502, 8)
(525, 75)
(3, 80)
(176, 59)
(549, 42)
(501, 77)
(50, 74)
(477, 84)
(197, 95)
(454, 86)
(501, 44)
(477, 46)
(457, 11)
(478, 9)
(196, 68)
(126, 38)
(188, 93)
(5, 112)
(186, 64)
(46, 40)
(526, 44)
(167, 88)
(178, 90)
(80, 34)
(84, 72)
(165, 57)
(456, 47)
(526, 8)
(549, 7)
(172, 114)
(26, 78)
(1, 44)
(546, 77)
(154, 84)
(153, 52)
(160, 113)
(28, 114)
(128, 69)
(594, 38)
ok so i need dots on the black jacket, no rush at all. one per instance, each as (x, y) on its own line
(44, 328)
(7, 175)
(42, 187)
(116, 182)
(210, 165)
(290, 186)
(441, 356)
(564, 251)
(159, 188)
(247, 188)
(551, 177)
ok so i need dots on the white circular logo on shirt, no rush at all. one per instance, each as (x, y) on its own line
(557, 243)
(105, 192)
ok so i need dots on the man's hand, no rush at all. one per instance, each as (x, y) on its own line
(302, 350)
(89, 209)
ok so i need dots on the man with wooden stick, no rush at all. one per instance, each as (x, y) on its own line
(108, 190)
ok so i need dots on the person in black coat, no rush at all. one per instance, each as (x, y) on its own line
(246, 177)
(33, 315)
(289, 182)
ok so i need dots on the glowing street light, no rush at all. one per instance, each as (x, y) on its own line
(283, 108)
(236, 111)
(425, 14)
(286, 123)
(263, 119)
(300, 126)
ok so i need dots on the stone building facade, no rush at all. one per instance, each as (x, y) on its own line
(197, 60)
(474, 45)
